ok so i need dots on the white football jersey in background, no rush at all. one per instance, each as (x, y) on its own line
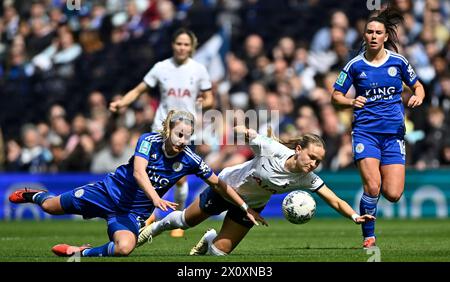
(258, 179)
(179, 85)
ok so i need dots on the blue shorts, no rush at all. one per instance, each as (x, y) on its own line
(93, 200)
(388, 148)
(212, 203)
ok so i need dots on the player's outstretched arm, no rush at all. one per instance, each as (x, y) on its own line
(342, 206)
(141, 176)
(229, 193)
(129, 98)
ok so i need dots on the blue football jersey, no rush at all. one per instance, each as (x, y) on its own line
(164, 171)
(382, 86)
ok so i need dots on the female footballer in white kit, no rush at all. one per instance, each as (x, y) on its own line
(275, 169)
(184, 85)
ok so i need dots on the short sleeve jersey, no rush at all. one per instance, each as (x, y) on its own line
(179, 85)
(258, 179)
(382, 86)
(163, 171)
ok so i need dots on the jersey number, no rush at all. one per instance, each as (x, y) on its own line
(401, 144)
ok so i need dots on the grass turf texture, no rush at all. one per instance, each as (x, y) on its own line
(320, 240)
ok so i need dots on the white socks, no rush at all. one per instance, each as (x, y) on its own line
(181, 194)
(176, 219)
(213, 250)
(173, 220)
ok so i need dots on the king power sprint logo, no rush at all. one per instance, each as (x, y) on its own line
(73, 5)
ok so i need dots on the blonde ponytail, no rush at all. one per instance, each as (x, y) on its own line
(166, 124)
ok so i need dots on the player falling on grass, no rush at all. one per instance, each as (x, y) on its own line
(276, 169)
(129, 195)
(184, 84)
(379, 120)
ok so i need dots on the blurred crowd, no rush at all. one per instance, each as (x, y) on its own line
(60, 67)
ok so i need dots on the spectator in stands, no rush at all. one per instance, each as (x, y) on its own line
(33, 157)
(117, 153)
(253, 49)
(432, 146)
(322, 39)
(445, 154)
(79, 148)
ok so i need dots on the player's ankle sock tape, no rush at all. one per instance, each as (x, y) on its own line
(106, 250)
(213, 250)
(40, 197)
(368, 205)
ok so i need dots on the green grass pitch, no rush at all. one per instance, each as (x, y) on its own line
(320, 240)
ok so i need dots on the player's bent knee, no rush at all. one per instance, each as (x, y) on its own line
(393, 197)
(372, 188)
(124, 248)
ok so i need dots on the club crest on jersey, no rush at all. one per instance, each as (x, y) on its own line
(359, 148)
(79, 193)
(177, 166)
(341, 79)
(392, 71)
(145, 147)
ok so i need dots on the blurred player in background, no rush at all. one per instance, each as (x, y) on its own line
(378, 125)
(130, 194)
(276, 169)
(184, 84)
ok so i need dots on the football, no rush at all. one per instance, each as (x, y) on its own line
(299, 207)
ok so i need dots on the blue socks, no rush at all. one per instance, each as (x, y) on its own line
(40, 197)
(106, 250)
(368, 205)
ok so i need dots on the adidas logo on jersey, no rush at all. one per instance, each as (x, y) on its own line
(363, 75)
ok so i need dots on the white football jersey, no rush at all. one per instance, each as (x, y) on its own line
(258, 179)
(179, 85)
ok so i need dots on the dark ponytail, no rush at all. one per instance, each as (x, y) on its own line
(390, 18)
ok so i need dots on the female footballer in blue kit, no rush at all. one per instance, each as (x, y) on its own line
(128, 196)
(378, 120)
(184, 84)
